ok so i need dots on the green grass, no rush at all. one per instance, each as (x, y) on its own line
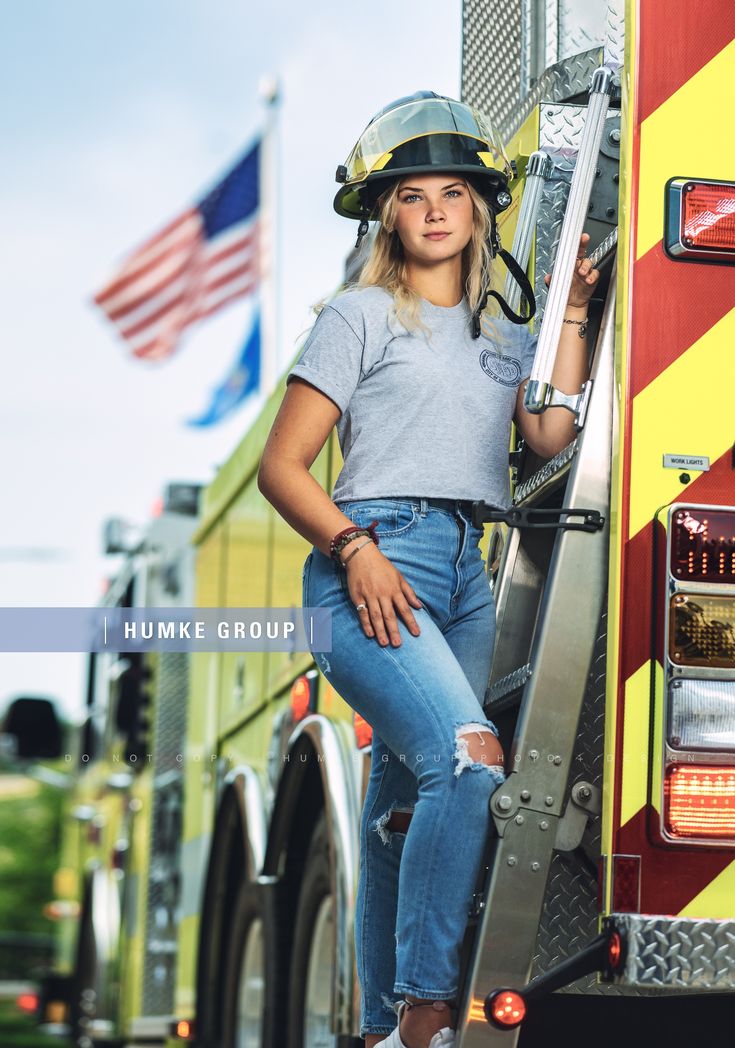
(17, 1030)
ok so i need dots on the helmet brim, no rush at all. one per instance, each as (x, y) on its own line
(359, 200)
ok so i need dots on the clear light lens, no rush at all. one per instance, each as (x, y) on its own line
(702, 715)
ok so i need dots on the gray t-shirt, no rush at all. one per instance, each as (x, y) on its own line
(420, 418)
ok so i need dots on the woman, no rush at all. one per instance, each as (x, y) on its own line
(423, 408)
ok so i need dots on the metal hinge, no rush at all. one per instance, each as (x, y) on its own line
(585, 801)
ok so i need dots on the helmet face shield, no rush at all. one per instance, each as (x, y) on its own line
(426, 117)
(421, 135)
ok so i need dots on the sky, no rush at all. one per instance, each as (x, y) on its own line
(115, 118)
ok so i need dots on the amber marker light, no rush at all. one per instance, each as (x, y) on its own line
(300, 698)
(702, 630)
(505, 1008)
(363, 731)
(183, 1029)
(699, 801)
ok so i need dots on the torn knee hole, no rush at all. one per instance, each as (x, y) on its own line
(395, 820)
(477, 745)
(400, 821)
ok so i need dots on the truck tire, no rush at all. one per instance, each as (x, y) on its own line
(249, 977)
(312, 960)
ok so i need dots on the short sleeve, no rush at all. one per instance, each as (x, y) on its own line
(331, 358)
(528, 351)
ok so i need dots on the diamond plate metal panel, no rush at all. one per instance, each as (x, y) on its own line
(560, 132)
(541, 477)
(678, 952)
(164, 880)
(548, 46)
(491, 57)
(614, 46)
(569, 921)
(504, 52)
(581, 26)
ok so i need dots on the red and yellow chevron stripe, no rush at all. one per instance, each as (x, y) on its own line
(675, 361)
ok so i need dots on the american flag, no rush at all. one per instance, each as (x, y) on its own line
(201, 261)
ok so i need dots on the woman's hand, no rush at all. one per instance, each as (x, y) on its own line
(373, 580)
(583, 279)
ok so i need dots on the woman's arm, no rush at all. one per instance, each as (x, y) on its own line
(553, 429)
(300, 430)
(548, 433)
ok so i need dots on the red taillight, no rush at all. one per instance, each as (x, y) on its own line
(703, 545)
(709, 215)
(363, 731)
(506, 1008)
(700, 220)
(300, 698)
(699, 801)
(27, 1002)
(614, 950)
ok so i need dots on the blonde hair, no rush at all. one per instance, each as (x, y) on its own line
(386, 266)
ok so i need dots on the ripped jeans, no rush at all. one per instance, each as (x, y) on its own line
(421, 700)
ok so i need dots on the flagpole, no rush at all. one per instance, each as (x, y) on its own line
(269, 262)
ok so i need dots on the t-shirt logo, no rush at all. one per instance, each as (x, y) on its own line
(505, 370)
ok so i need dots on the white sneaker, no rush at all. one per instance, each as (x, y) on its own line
(444, 1038)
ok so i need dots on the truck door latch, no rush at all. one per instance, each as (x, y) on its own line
(538, 517)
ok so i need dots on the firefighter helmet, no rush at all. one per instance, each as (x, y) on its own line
(423, 132)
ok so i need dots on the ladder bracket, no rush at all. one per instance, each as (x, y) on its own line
(541, 395)
(577, 404)
(538, 517)
(584, 802)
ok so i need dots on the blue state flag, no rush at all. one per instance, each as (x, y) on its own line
(242, 380)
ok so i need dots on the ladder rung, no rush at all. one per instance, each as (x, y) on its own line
(550, 472)
(510, 683)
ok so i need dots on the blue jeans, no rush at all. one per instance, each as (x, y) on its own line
(415, 888)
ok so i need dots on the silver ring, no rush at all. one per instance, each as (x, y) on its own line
(360, 607)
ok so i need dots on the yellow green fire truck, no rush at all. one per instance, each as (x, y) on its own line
(216, 885)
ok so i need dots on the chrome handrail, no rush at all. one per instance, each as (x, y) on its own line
(540, 393)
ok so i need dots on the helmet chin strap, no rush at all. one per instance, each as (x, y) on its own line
(527, 297)
(361, 231)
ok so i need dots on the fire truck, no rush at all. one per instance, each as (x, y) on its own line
(117, 886)
(606, 900)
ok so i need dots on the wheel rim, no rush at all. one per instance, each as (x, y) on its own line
(251, 989)
(319, 977)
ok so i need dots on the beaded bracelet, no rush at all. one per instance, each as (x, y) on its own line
(342, 538)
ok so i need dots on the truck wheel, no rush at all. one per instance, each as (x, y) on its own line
(312, 960)
(249, 984)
